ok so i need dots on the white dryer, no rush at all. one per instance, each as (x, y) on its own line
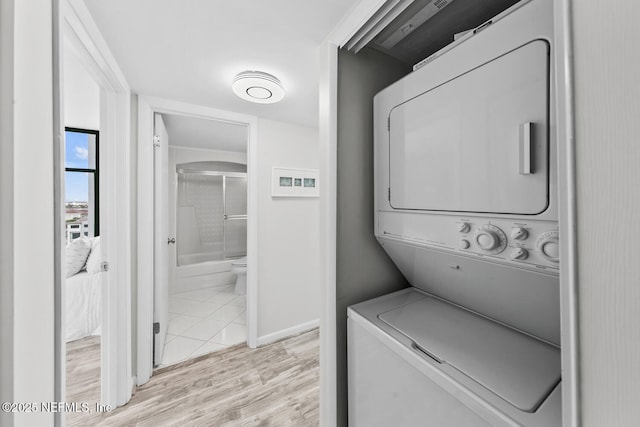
(465, 206)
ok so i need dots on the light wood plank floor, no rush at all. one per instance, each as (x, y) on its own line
(83, 373)
(275, 385)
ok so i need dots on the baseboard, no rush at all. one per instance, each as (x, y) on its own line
(289, 332)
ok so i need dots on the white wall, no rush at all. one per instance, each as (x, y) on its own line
(26, 225)
(607, 106)
(81, 95)
(289, 271)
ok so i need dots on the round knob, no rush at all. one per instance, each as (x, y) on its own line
(464, 244)
(551, 249)
(520, 253)
(487, 240)
(549, 246)
(519, 233)
(464, 227)
(491, 239)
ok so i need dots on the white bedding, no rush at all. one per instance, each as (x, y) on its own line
(83, 315)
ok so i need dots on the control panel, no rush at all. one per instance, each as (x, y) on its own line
(523, 242)
(530, 244)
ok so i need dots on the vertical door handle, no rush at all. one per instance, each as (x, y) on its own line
(525, 148)
(171, 240)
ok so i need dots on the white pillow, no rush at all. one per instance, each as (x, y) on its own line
(95, 257)
(77, 252)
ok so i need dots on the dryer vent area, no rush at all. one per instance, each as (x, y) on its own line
(410, 31)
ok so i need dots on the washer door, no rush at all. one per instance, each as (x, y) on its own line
(477, 143)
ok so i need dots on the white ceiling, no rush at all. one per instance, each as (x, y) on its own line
(195, 132)
(191, 50)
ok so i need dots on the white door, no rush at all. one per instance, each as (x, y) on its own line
(161, 238)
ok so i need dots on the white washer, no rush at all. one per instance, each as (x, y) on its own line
(440, 365)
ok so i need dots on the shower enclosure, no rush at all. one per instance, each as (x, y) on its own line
(211, 217)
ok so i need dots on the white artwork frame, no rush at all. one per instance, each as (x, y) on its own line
(292, 182)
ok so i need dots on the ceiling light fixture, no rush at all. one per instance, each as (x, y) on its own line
(259, 87)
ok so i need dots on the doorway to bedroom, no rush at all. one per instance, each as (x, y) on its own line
(83, 290)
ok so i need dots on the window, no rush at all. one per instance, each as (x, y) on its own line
(81, 183)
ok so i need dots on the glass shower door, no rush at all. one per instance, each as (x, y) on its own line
(199, 218)
(235, 216)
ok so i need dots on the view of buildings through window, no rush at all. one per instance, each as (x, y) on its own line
(81, 183)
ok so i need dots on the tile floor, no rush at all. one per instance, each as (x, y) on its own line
(204, 321)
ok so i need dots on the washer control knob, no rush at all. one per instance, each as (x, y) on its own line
(491, 239)
(520, 254)
(464, 227)
(548, 244)
(519, 233)
(551, 249)
(487, 240)
(464, 244)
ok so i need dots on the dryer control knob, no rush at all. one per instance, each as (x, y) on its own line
(464, 227)
(464, 244)
(549, 246)
(520, 254)
(519, 233)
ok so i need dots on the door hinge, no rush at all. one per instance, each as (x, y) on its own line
(389, 193)
(156, 327)
(104, 266)
(156, 141)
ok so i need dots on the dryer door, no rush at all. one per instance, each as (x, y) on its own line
(477, 143)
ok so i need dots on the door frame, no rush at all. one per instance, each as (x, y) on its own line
(147, 107)
(77, 31)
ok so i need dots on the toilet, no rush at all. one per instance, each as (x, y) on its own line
(239, 267)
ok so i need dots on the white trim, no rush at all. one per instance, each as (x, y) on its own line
(353, 20)
(60, 378)
(359, 14)
(328, 138)
(567, 215)
(7, 224)
(147, 106)
(82, 35)
(289, 332)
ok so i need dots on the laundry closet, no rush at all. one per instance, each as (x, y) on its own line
(466, 232)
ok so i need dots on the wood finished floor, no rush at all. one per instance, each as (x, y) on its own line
(83, 372)
(274, 385)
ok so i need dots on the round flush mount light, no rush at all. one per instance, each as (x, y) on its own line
(259, 87)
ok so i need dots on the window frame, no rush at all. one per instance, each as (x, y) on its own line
(96, 175)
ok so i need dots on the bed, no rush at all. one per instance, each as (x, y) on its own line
(83, 297)
(83, 308)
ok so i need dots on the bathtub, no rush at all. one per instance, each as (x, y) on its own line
(202, 274)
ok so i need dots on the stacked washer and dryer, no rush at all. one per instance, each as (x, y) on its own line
(466, 207)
